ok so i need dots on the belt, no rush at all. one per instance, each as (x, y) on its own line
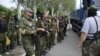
(90, 38)
(91, 34)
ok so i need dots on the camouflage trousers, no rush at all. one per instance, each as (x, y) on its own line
(40, 44)
(2, 43)
(2, 47)
(65, 29)
(86, 48)
(52, 38)
(95, 48)
(28, 44)
(60, 36)
(13, 39)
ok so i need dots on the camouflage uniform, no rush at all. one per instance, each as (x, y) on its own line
(12, 29)
(95, 48)
(3, 29)
(91, 47)
(2, 43)
(52, 30)
(85, 48)
(61, 28)
(27, 28)
(48, 39)
(41, 37)
(65, 23)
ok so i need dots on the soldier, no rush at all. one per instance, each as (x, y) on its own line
(27, 29)
(16, 31)
(12, 29)
(61, 28)
(90, 26)
(3, 30)
(41, 37)
(48, 39)
(65, 23)
(53, 30)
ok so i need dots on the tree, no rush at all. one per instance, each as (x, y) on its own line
(3, 9)
(53, 5)
(62, 5)
(68, 4)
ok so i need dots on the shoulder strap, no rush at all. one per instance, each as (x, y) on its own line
(96, 24)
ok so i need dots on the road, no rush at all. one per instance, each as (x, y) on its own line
(68, 47)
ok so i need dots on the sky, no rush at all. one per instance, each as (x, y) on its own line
(9, 3)
(78, 4)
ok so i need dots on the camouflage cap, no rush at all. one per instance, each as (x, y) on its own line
(28, 9)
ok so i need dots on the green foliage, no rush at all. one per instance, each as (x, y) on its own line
(40, 8)
(7, 13)
(68, 5)
(3, 9)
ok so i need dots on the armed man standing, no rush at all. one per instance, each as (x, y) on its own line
(90, 27)
(42, 35)
(61, 28)
(3, 30)
(27, 28)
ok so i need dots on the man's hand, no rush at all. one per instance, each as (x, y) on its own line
(40, 29)
(80, 45)
(82, 39)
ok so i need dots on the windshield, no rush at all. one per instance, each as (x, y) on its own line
(97, 4)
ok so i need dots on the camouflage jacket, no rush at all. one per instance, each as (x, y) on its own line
(27, 26)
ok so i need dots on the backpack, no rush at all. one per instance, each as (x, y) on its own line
(94, 48)
(97, 34)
